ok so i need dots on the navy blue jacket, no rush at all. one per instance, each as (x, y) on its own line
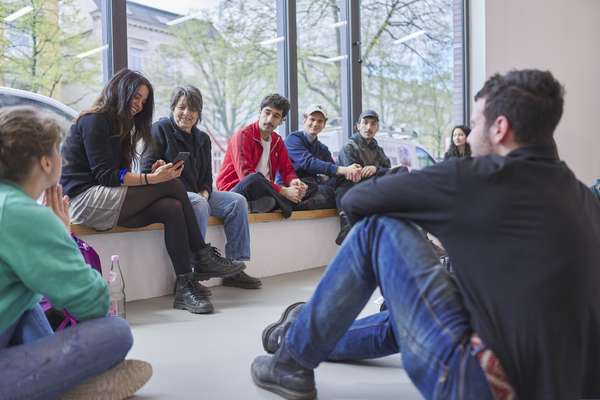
(91, 155)
(309, 159)
(169, 140)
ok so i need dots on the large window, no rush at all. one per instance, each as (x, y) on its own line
(227, 48)
(53, 48)
(407, 73)
(319, 26)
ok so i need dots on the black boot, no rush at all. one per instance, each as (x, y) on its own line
(281, 374)
(262, 205)
(189, 296)
(272, 335)
(344, 229)
(208, 263)
(242, 280)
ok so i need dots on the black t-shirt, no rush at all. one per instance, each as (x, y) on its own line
(524, 238)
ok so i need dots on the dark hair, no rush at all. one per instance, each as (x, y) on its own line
(531, 100)
(192, 96)
(453, 150)
(25, 136)
(276, 101)
(115, 100)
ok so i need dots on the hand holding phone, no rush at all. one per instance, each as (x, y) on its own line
(182, 156)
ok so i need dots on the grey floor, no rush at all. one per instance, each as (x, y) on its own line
(209, 356)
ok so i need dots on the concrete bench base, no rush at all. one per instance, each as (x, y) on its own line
(302, 242)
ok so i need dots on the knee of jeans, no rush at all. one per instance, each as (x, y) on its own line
(119, 338)
(240, 205)
(201, 208)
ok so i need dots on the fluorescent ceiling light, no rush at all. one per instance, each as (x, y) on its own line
(409, 37)
(339, 24)
(92, 51)
(18, 14)
(182, 19)
(272, 41)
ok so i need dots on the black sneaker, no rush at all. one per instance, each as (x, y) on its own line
(344, 229)
(188, 296)
(208, 263)
(242, 280)
(281, 374)
(262, 205)
(273, 334)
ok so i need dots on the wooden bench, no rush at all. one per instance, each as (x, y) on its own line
(81, 230)
(278, 245)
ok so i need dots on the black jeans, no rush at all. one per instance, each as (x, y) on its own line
(255, 186)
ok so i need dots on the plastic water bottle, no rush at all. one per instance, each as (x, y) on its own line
(116, 286)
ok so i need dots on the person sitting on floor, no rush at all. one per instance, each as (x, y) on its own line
(361, 149)
(521, 317)
(255, 155)
(179, 133)
(313, 162)
(39, 258)
(99, 153)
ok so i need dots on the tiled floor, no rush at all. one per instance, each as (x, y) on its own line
(209, 356)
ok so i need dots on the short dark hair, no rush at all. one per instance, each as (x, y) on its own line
(26, 135)
(192, 96)
(531, 100)
(276, 101)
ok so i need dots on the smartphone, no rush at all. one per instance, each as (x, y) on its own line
(182, 156)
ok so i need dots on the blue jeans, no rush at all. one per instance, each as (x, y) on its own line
(427, 315)
(233, 209)
(36, 363)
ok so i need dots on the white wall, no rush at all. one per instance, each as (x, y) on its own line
(562, 36)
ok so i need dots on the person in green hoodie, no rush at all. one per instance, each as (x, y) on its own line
(39, 258)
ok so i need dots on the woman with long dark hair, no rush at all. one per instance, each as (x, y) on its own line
(99, 152)
(459, 147)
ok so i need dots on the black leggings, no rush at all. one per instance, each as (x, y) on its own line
(165, 203)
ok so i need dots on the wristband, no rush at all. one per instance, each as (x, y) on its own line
(146, 179)
(122, 173)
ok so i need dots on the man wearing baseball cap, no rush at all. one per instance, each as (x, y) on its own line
(313, 162)
(362, 149)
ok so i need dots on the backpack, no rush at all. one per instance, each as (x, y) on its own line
(60, 319)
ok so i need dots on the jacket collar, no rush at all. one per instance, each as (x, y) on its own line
(546, 152)
(255, 134)
(181, 135)
(362, 142)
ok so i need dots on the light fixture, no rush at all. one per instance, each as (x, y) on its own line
(410, 36)
(92, 51)
(18, 14)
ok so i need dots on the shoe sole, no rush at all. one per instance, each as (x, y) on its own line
(182, 306)
(204, 276)
(242, 285)
(118, 383)
(283, 392)
(271, 327)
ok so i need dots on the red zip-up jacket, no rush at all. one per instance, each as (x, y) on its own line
(243, 154)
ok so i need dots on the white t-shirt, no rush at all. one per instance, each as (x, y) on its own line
(263, 164)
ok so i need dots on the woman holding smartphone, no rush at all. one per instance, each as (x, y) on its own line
(177, 135)
(99, 153)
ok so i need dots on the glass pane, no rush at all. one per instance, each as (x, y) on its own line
(319, 27)
(53, 48)
(226, 48)
(407, 52)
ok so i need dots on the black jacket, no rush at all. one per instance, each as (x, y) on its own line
(91, 155)
(169, 140)
(358, 151)
(524, 238)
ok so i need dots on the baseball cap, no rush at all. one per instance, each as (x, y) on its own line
(368, 114)
(316, 108)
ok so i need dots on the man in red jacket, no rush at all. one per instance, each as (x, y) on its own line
(255, 155)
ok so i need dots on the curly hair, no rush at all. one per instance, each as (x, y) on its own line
(26, 135)
(276, 101)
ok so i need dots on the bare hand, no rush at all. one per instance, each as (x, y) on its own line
(204, 193)
(58, 203)
(291, 193)
(368, 171)
(353, 173)
(301, 186)
(166, 173)
(157, 163)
